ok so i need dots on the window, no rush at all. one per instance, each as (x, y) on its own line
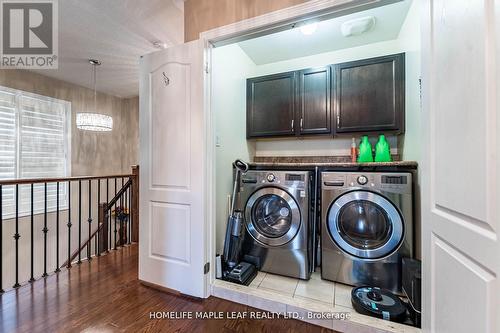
(34, 143)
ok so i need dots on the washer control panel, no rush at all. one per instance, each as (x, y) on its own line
(270, 177)
(275, 177)
(290, 180)
(362, 180)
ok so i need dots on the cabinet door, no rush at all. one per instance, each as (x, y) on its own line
(369, 95)
(314, 116)
(270, 105)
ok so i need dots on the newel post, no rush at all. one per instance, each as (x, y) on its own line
(135, 203)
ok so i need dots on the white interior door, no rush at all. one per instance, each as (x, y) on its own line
(172, 231)
(461, 174)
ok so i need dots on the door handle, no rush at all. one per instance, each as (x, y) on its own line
(301, 121)
(338, 120)
(292, 125)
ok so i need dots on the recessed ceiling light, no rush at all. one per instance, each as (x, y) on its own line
(309, 29)
(159, 44)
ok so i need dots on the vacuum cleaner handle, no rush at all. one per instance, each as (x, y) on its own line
(241, 166)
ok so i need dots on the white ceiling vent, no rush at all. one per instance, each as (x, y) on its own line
(357, 26)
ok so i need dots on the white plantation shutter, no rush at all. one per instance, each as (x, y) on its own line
(41, 149)
(8, 146)
(43, 138)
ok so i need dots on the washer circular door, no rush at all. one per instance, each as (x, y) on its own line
(365, 224)
(272, 216)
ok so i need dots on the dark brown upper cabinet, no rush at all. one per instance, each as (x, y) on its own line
(271, 105)
(369, 95)
(288, 104)
(314, 107)
(363, 96)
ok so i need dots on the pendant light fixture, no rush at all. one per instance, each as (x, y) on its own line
(93, 121)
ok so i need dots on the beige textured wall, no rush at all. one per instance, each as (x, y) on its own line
(203, 15)
(92, 153)
(130, 135)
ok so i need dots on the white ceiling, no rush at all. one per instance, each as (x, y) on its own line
(291, 44)
(117, 32)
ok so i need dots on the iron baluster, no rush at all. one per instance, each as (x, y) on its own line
(122, 210)
(69, 225)
(97, 250)
(115, 219)
(57, 228)
(108, 216)
(45, 230)
(16, 237)
(89, 244)
(79, 221)
(32, 222)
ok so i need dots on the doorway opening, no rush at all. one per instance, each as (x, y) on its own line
(316, 41)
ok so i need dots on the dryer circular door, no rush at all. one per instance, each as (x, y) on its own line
(365, 224)
(272, 216)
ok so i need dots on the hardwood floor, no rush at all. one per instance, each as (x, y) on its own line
(105, 295)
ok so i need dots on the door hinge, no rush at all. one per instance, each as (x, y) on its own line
(206, 268)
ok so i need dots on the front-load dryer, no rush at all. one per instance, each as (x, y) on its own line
(278, 224)
(366, 227)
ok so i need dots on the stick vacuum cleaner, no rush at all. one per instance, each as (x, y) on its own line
(235, 270)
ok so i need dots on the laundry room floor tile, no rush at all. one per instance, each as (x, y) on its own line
(316, 275)
(257, 280)
(279, 283)
(319, 290)
(275, 300)
(343, 295)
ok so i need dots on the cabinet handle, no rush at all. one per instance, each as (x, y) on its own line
(292, 125)
(338, 120)
(301, 120)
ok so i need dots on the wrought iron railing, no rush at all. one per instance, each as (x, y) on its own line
(109, 208)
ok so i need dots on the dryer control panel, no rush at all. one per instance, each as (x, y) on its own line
(389, 182)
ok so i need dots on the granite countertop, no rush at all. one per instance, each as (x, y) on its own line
(410, 164)
(327, 161)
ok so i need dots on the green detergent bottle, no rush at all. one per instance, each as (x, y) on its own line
(382, 150)
(365, 151)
